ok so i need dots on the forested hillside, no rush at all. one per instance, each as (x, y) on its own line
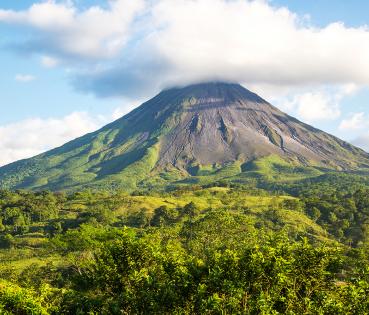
(286, 249)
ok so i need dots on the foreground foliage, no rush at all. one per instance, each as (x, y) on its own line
(133, 275)
(214, 250)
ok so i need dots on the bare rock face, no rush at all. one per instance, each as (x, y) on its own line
(209, 124)
(221, 122)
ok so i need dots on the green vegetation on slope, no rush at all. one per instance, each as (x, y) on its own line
(184, 136)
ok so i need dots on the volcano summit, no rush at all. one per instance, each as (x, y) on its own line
(184, 135)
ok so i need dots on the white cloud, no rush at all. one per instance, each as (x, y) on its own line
(29, 137)
(251, 41)
(356, 121)
(362, 141)
(33, 136)
(49, 62)
(317, 106)
(154, 44)
(92, 33)
(24, 78)
(321, 105)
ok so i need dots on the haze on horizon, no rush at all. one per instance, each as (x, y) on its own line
(69, 67)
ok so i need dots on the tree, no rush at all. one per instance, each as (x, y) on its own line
(140, 219)
(143, 218)
(315, 213)
(101, 213)
(55, 228)
(333, 217)
(19, 224)
(163, 216)
(2, 226)
(190, 209)
(7, 241)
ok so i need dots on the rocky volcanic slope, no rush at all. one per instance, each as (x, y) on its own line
(176, 134)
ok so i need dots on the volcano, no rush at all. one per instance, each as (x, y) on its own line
(209, 130)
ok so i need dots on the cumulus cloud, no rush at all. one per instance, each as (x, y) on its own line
(317, 106)
(156, 44)
(250, 42)
(323, 104)
(24, 78)
(30, 137)
(355, 121)
(362, 141)
(66, 31)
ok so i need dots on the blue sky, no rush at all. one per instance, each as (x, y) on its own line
(322, 12)
(69, 67)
